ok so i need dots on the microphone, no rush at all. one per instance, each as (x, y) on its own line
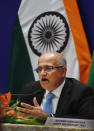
(30, 94)
(23, 97)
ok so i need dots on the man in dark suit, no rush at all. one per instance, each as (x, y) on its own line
(71, 97)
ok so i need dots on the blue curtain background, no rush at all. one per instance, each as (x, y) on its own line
(8, 13)
(86, 8)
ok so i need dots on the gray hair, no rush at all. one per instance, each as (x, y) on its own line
(62, 61)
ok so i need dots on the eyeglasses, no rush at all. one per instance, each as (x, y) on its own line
(47, 68)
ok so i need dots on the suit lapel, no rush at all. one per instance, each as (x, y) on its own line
(40, 95)
(64, 97)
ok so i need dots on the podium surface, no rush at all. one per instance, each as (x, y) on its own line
(25, 127)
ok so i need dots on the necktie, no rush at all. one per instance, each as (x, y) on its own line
(47, 108)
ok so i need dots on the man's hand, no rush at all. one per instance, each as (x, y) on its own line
(35, 110)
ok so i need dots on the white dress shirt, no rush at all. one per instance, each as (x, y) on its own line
(57, 93)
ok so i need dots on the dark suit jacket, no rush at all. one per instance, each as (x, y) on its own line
(76, 100)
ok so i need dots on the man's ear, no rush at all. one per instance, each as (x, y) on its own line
(64, 69)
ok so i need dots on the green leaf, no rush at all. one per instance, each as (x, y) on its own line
(13, 107)
(29, 121)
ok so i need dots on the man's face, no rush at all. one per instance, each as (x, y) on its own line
(50, 80)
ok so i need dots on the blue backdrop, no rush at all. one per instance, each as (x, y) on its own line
(8, 12)
(86, 8)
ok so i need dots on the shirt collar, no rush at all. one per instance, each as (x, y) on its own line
(57, 91)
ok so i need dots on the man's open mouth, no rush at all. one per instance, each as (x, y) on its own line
(44, 80)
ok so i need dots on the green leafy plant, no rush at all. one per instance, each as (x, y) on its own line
(10, 114)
